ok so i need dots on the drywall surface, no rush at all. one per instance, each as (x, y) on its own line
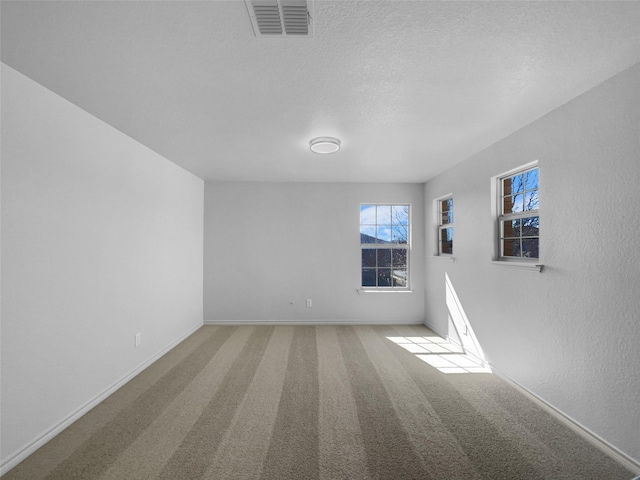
(571, 333)
(101, 239)
(271, 246)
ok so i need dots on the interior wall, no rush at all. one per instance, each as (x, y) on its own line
(101, 239)
(569, 334)
(271, 246)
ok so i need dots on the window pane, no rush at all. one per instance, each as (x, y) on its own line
(384, 257)
(383, 234)
(383, 216)
(531, 200)
(399, 234)
(511, 228)
(506, 204)
(384, 277)
(399, 277)
(399, 257)
(368, 257)
(367, 214)
(512, 185)
(368, 277)
(446, 240)
(506, 186)
(511, 247)
(531, 227)
(513, 203)
(400, 215)
(532, 179)
(446, 211)
(367, 234)
(530, 247)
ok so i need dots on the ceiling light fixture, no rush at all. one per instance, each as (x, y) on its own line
(324, 145)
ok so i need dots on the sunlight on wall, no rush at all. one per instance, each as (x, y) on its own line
(442, 354)
(459, 326)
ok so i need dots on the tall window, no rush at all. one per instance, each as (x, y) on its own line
(445, 226)
(384, 242)
(519, 218)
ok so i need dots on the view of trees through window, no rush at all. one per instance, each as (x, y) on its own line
(520, 221)
(384, 240)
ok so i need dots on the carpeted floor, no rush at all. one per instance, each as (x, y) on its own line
(305, 402)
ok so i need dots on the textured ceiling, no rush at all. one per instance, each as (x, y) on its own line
(410, 87)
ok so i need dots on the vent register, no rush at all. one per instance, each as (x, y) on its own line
(280, 17)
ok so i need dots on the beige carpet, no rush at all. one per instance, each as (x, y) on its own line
(304, 402)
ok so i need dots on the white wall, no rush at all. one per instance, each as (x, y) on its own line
(570, 334)
(101, 239)
(268, 244)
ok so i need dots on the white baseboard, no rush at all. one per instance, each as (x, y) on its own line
(574, 425)
(311, 322)
(22, 453)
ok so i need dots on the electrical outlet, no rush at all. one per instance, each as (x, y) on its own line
(309, 303)
(137, 339)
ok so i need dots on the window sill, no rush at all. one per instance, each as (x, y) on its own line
(449, 258)
(382, 290)
(532, 267)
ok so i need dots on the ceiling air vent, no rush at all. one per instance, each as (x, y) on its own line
(280, 17)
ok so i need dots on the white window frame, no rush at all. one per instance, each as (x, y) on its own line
(440, 225)
(499, 257)
(396, 246)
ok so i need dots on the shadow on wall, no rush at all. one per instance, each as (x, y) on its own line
(460, 352)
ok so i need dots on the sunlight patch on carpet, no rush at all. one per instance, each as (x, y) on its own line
(442, 354)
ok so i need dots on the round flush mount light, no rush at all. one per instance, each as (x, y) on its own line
(324, 145)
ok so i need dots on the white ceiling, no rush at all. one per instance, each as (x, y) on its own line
(410, 87)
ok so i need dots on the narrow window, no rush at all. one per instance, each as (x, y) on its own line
(445, 225)
(519, 219)
(384, 245)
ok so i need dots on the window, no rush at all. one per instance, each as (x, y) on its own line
(445, 225)
(518, 219)
(384, 242)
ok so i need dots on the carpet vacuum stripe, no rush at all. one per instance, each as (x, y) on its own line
(171, 427)
(192, 457)
(313, 402)
(97, 453)
(245, 444)
(342, 452)
(293, 452)
(390, 453)
(493, 456)
(430, 437)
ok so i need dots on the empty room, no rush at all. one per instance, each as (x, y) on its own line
(320, 239)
